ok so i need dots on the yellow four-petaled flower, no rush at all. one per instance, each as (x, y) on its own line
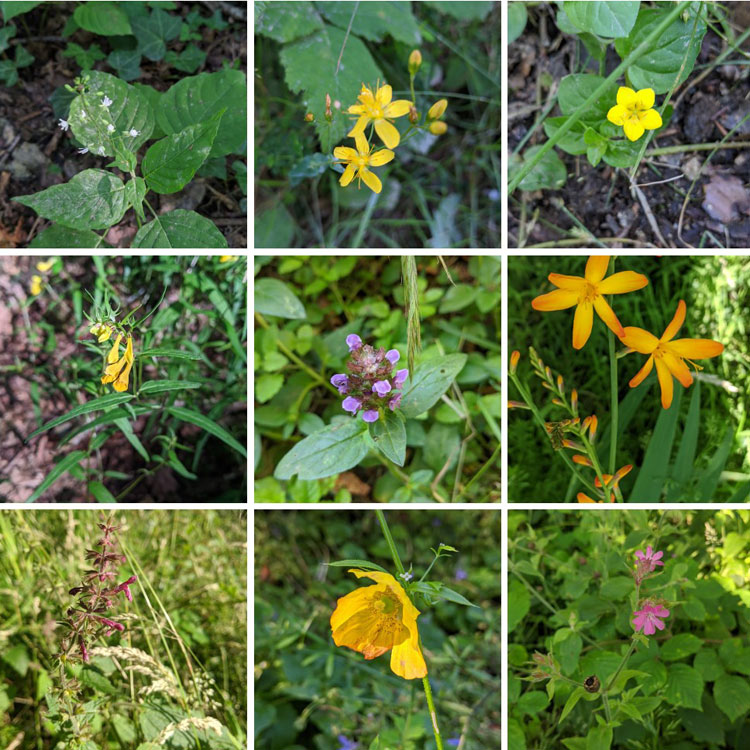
(634, 112)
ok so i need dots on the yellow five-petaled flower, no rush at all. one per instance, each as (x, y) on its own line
(118, 368)
(587, 294)
(359, 162)
(634, 112)
(380, 618)
(668, 354)
(379, 109)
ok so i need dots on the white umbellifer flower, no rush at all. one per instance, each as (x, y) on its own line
(106, 101)
(101, 150)
(133, 132)
(110, 128)
(83, 150)
(63, 124)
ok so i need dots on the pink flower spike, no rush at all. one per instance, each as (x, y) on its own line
(647, 619)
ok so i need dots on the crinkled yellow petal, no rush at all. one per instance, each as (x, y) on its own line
(633, 129)
(607, 314)
(665, 382)
(696, 348)
(596, 267)
(582, 323)
(371, 180)
(348, 175)
(407, 660)
(644, 99)
(387, 133)
(560, 299)
(622, 282)
(572, 283)
(618, 114)
(678, 368)
(676, 323)
(399, 108)
(381, 157)
(640, 340)
(650, 120)
(345, 153)
(349, 605)
(642, 374)
(626, 97)
(383, 96)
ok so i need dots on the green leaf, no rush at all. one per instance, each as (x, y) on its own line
(516, 737)
(129, 110)
(126, 428)
(658, 69)
(576, 88)
(274, 297)
(161, 386)
(286, 21)
(599, 738)
(337, 448)
(171, 162)
(196, 99)
(570, 704)
(58, 236)
(170, 353)
(153, 31)
(97, 404)
(732, 695)
(16, 8)
(267, 386)
(100, 493)
(533, 702)
(193, 417)
(85, 58)
(135, 192)
(188, 61)
(458, 297)
(684, 462)
(309, 166)
(389, 435)
(712, 473)
(603, 18)
(681, 646)
(5, 34)
(519, 604)
(179, 228)
(517, 17)
(274, 228)
(311, 68)
(441, 446)
(474, 10)
(374, 20)
(23, 57)
(549, 174)
(93, 199)
(684, 686)
(453, 596)
(126, 62)
(431, 380)
(364, 564)
(103, 18)
(67, 463)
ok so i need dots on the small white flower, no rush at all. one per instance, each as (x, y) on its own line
(83, 150)
(63, 124)
(101, 150)
(110, 128)
(106, 101)
(406, 576)
(133, 132)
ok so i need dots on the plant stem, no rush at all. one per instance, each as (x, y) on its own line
(490, 461)
(425, 680)
(614, 401)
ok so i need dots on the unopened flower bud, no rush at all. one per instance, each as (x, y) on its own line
(514, 358)
(309, 117)
(415, 61)
(329, 114)
(413, 115)
(592, 684)
(437, 128)
(437, 109)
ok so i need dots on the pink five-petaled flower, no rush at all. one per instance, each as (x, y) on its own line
(647, 619)
(358, 162)
(669, 354)
(353, 341)
(650, 559)
(587, 294)
(370, 415)
(382, 388)
(379, 109)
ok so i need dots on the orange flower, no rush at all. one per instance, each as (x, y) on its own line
(668, 354)
(587, 294)
(586, 499)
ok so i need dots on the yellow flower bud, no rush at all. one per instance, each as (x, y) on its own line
(437, 109)
(309, 117)
(437, 128)
(415, 61)
(36, 285)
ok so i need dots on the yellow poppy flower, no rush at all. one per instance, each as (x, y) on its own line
(117, 370)
(380, 618)
(634, 112)
(359, 162)
(379, 108)
(669, 355)
(587, 294)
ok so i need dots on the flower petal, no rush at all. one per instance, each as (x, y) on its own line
(381, 157)
(356, 109)
(407, 660)
(618, 114)
(371, 180)
(348, 175)
(678, 368)
(622, 282)
(640, 340)
(596, 267)
(665, 382)
(582, 323)
(345, 153)
(359, 126)
(607, 314)
(399, 108)
(387, 133)
(644, 99)
(643, 373)
(572, 283)
(633, 129)
(696, 348)
(676, 323)
(384, 95)
(626, 97)
(560, 299)
(651, 120)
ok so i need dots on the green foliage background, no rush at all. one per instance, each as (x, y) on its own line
(308, 692)
(568, 587)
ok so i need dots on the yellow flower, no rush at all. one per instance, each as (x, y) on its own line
(634, 112)
(360, 161)
(380, 110)
(36, 285)
(437, 109)
(101, 331)
(587, 294)
(228, 258)
(45, 265)
(668, 354)
(380, 618)
(415, 61)
(117, 370)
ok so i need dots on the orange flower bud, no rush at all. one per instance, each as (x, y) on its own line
(514, 358)
(583, 460)
(584, 498)
(574, 400)
(592, 426)
(309, 117)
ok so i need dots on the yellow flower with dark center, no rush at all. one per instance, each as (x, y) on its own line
(380, 618)
(634, 112)
(117, 370)
(668, 354)
(359, 162)
(587, 294)
(379, 108)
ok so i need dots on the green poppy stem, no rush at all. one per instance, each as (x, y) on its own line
(614, 401)
(425, 680)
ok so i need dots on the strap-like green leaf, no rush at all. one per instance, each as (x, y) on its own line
(161, 386)
(66, 464)
(187, 415)
(179, 228)
(364, 564)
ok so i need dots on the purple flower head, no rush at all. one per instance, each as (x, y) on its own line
(351, 404)
(125, 586)
(341, 382)
(647, 619)
(381, 388)
(461, 574)
(394, 402)
(346, 744)
(392, 356)
(110, 625)
(400, 378)
(651, 559)
(354, 342)
(371, 415)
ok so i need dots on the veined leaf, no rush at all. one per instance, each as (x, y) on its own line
(179, 228)
(153, 31)
(160, 386)
(274, 297)
(13, 9)
(187, 415)
(67, 463)
(389, 435)
(135, 192)
(58, 236)
(102, 18)
(431, 380)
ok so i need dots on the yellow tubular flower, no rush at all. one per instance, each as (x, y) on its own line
(45, 265)
(634, 112)
(101, 331)
(437, 109)
(117, 371)
(379, 108)
(359, 162)
(669, 355)
(36, 285)
(380, 618)
(587, 294)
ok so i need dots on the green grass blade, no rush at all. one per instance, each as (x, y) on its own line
(170, 354)
(683, 464)
(710, 479)
(66, 464)
(187, 415)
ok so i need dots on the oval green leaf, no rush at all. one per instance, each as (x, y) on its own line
(274, 297)
(389, 435)
(102, 18)
(179, 228)
(431, 380)
(603, 18)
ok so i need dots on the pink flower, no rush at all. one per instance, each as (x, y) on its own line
(651, 559)
(647, 619)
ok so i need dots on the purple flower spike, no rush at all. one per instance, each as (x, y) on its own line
(354, 342)
(400, 378)
(351, 404)
(381, 388)
(392, 356)
(341, 382)
(394, 402)
(370, 415)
